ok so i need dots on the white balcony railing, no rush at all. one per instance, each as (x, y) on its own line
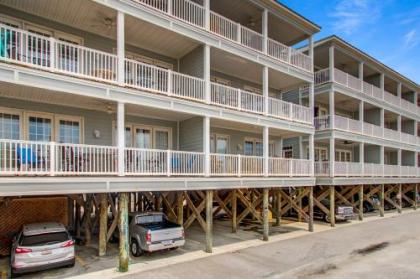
(357, 84)
(235, 98)
(355, 169)
(19, 157)
(367, 129)
(193, 13)
(42, 52)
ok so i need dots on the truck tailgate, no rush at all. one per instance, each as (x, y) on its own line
(166, 234)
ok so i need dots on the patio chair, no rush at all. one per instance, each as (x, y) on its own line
(27, 158)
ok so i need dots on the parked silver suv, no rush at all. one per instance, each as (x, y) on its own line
(41, 246)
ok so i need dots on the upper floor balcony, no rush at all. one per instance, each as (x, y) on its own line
(363, 128)
(352, 82)
(41, 52)
(198, 15)
(356, 169)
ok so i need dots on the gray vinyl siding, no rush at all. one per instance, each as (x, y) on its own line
(291, 96)
(92, 120)
(407, 158)
(372, 154)
(191, 134)
(90, 40)
(193, 63)
(407, 126)
(373, 116)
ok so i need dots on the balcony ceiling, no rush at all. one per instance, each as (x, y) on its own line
(91, 17)
(23, 93)
(238, 67)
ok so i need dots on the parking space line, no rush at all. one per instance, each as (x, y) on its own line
(80, 261)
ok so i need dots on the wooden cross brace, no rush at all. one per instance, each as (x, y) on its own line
(250, 206)
(196, 210)
(293, 204)
(223, 203)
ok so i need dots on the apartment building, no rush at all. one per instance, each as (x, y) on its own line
(366, 120)
(165, 97)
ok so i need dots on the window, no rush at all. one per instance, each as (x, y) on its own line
(287, 152)
(253, 89)
(221, 81)
(143, 138)
(39, 128)
(69, 131)
(219, 144)
(9, 126)
(320, 154)
(161, 138)
(255, 147)
(342, 155)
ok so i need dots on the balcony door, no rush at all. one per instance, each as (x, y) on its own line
(342, 155)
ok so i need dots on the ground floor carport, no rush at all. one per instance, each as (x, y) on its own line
(210, 217)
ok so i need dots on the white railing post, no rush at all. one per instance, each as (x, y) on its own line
(121, 137)
(239, 165)
(239, 99)
(120, 48)
(206, 5)
(170, 82)
(52, 53)
(170, 5)
(168, 162)
(239, 34)
(52, 158)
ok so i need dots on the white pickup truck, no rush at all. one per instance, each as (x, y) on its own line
(152, 231)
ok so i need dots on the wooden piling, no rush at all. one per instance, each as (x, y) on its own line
(332, 205)
(209, 221)
(361, 199)
(234, 204)
(416, 193)
(311, 210)
(399, 198)
(103, 225)
(180, 208)
(266, 227)
(123, 230)
(382, 201)
(278, 207)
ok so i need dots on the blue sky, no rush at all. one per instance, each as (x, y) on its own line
(388, 30)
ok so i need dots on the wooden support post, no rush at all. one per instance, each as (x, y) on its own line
(311, 209)
(382, 201)
(70, 204)
(180, 208)
(209, 221)
(300, 205)
(87, 219)
(416, 193)
(77, 220)
(332, 205)
(361, 199)
(123, 229)
(278, 207)
(399, 198)
(234, 204)
(103, 226)
(266, 225)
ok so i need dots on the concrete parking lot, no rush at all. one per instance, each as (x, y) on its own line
(290, 246)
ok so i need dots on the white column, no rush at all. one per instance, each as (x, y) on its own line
(120, 47)
(265, 30)
(399, 153)
(382, 118)
(266, 149)
(206, 4)
(382, 83)
(206, 145)
(121, 137)
(265, 89)
(311, 147)
(362, 153)
(399, 122)
(207, 73)
(332, 156)
(399, 89)
(331, 62)
(311, 50)
(361, 112)
(381, 154)
(331, 107)
(361, 70)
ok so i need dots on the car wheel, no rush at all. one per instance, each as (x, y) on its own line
(327, 218)
(72, 264)
(135, 248)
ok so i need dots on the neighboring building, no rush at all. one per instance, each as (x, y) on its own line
(366, 119)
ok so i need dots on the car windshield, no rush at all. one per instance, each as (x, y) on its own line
(44, 239)
(148, 219)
